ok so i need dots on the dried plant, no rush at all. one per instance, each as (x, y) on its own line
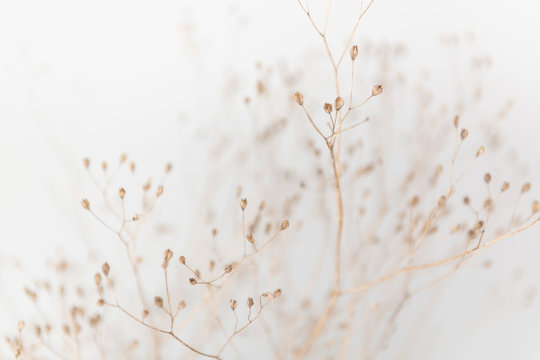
(380, 223)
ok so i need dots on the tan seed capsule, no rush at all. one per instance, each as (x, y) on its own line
(243, 204)
(85, 204)
(284, 225)
(168, 167)
(250, 238)
(228, 269)
(376, 90)
(105, 268)
(123, 158)
(354, 52)
(442, 201)
(338, 103)
(487, 178)
(104, 166)
(299, 98)
(100, 302)
(182, 260)
(158, 301)
(525, 188)
(192, 281)
(456, 121)
(276, 293)
(159, 191)
(327, 108)
(233, 304)
(122, 193)
(464, 133)
(505, 186)
(86, 162)
(97, 278)
(535, 206)
(480, 151)
(467, 200)
(250, 302)
(181, 305)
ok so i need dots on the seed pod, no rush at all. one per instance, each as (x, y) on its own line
(158, 301)
(182, 260)
(505, 186)
(376, 90)
(105, 268)
(85, 204)
(97, 278)
(487, 178)
(192, 281)
(276, 293)
(338, 103)
(250, 238)
(121, 193)
(228, 269)
(243, 204)
(284, 225)
(250, 302)
(159, 191)
(480, 151)
(86, 162)
(525, 188)
(233, 304)
(354, 52)
(464, 133)
(327, 108)
(299, 98)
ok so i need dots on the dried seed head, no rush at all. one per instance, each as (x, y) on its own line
(299, 98)
(228, 268)
(327, 108)
(132, 166)
(158, 301)
(250, 302)
(354, 52)
(233, 304)
(122, 193)
(480, 151)
(525, 188)
(505, 186)
(192, 281)
(104, 166)
(250, 238)
(145, 313)
(31, 294)
(97, 278)
(243, 203)
(467, 200)
(105, 268)
(414, 201)
(276, 293)
(182, 260)
(159, 190)
(338, 103)
(168, 167)
(284, 225)
(136, 217)
(488, 203)
(464, 133)
(86, 162)
(167, 255)
(37, 330)
(535, 206)
(100, 302)
(181, 305)
(456, 121)
(123, 158)
(376, 90)
(20, 325)
(487, 178)
(85, 204)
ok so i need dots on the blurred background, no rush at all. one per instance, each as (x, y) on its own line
(167, 81)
